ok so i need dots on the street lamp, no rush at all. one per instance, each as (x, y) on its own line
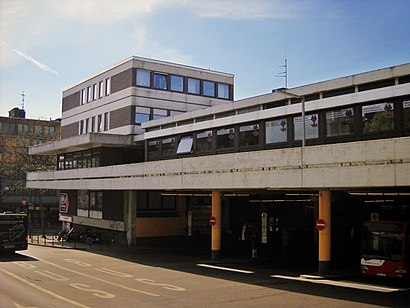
(302, 101)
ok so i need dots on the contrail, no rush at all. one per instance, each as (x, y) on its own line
(29, 58)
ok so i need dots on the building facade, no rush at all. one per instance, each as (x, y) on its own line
(264, 168)
(17, 134)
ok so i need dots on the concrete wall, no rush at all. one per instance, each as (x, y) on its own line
(375, 163)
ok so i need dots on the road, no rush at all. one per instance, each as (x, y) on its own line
(55, 277)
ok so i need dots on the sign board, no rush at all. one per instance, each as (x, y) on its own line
(264, 238)
(320, 224)
(64, 203)
(65, 218)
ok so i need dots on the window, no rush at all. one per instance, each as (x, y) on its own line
(204, 141)
(154, 150)
(142, 114)
(339, 122)
(276, 131)
(83, 203)
(89, 203)
(100, 123)
(83, 96)
(177, 83)
(209, 88)
(311, 127)
(106, 121)
(78, 160)
(92, 124)
(168, 147)
(185, 145)
(249, 135)
(225, 138)
(107, 86)
(159, 113)
(95, 91)
(194, 86)
(406, 113)
(89, 94)
(143, 78)
(377, 117)
(223, 91)
(87, 125)
(101, 88)
(87, 162)
(81, 127)
(160, 81)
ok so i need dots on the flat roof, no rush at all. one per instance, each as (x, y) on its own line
(136, 58)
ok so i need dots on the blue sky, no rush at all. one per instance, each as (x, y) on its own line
(46, 45)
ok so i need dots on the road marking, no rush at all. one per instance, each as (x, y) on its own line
(112, 272)
(225, 268)
(96, 278)
(77, 262)
(98, 293)
(164, 285)
(52, 275)
(25, 264)
(343, 283)
(42, 289)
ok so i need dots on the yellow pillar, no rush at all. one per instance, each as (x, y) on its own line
(325, 234)
(217, 226)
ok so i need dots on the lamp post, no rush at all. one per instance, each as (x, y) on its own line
(302, 101)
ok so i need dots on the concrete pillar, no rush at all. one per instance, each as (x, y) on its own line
(325, 234)
(217, 227)
(130, 213)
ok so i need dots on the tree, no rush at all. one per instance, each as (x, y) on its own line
(15, 163)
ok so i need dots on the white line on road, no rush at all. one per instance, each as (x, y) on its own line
(96, 278)
(225, 268)
(52, 275)
(42, 289)
(112, 272)
(341, 283)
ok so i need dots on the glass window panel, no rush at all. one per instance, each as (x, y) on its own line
(154, 149)
(177, 83)
(143, 78)
(276, 131)
(160, 81)
(89, 94)
(209, 88)
(249, 135)
(204, 141)
(83, 96)
(95, 91)
(141, 118)
(339, 122)
(223, 91)
(106, 121)
(311, 127)
(99, 201)
(185, 145)
(101, 88)
(406, 113)
(107, 86)
(194, 86)
(168, 146)
(225, 138)
(378, 117)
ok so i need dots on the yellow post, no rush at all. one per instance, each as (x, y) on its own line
(217, 226)
(325, 234)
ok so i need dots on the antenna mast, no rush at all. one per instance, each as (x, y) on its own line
(284, 74)
(22, 100)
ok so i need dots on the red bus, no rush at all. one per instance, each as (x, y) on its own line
(386, 249)
(13, 232)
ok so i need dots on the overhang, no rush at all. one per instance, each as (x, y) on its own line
(82, 142)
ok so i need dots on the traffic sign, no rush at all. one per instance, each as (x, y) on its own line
(212, 220)
(320, 224)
